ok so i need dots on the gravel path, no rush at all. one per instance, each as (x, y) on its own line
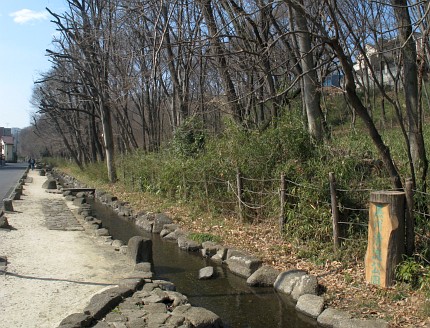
(50, 273)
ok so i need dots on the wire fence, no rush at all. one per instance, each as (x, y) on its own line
(260, 199)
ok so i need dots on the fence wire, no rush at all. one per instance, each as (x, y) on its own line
(261, 197)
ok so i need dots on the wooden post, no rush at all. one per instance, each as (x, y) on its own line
(409, 218)
(386, 236)
(334, 211)
(206, 185)
(141, 183)
(132, 182)
(184, 185)
(239, 193)
(282, 218)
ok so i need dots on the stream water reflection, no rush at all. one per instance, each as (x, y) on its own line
(239, 305)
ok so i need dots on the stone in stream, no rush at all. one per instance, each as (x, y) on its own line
(329, 316)
(296, 283)
(264, 276)
(159, 221)
(139, 249)
(311, 305)
(359, 323)
(198, 317)
(206, 273)
(188, 245)
(241, 263)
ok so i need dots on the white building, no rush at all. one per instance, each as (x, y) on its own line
(7, 148)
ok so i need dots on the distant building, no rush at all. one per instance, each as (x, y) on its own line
(8, 146)
(5, 131)
(383, 59)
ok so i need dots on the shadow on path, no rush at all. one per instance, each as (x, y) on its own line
(55, 279)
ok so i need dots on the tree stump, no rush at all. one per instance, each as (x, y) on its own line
(386, 236)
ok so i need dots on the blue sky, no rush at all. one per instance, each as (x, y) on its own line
(25, 33)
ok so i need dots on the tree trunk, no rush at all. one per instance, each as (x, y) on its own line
(108, 141)
(311, 93)
(361, 110)
(410, 85)
(228, 84)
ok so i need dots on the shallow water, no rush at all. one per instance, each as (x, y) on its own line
(228, 295)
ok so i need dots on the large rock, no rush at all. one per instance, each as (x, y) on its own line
(144, 223)
(4, 224)
(206, 273)
(102, 232)
(188, 245)
(50, 184)
(77, 320)
(159, 221)
(329, 316)
(174, 235)
(139, 249)
(220, 255)
(167, 229)
(101, 304)
(296, 283)
(311, 305)
(198, 317)
(210, 248)
(242, 264)
(359, 323)
(264, 276)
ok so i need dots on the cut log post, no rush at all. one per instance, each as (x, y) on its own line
(386, 236)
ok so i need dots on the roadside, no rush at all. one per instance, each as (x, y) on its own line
(50, 273)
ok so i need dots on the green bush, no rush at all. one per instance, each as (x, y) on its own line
(202, 237)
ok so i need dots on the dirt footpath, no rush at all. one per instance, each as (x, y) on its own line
(50, 273)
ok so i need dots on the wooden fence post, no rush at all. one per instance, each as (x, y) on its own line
(334, 211)
(141, 183)
(386, 236)
(132, 182)
(409, 218)
(239, 192)
(282, 218)
(184, 186)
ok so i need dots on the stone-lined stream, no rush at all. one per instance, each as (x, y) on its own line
(228, 295)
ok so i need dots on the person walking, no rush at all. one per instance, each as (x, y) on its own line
(31, 162)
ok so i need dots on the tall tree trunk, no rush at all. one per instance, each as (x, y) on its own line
(232, 99)
(410, 85)
(108, 141)
(311, 93)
